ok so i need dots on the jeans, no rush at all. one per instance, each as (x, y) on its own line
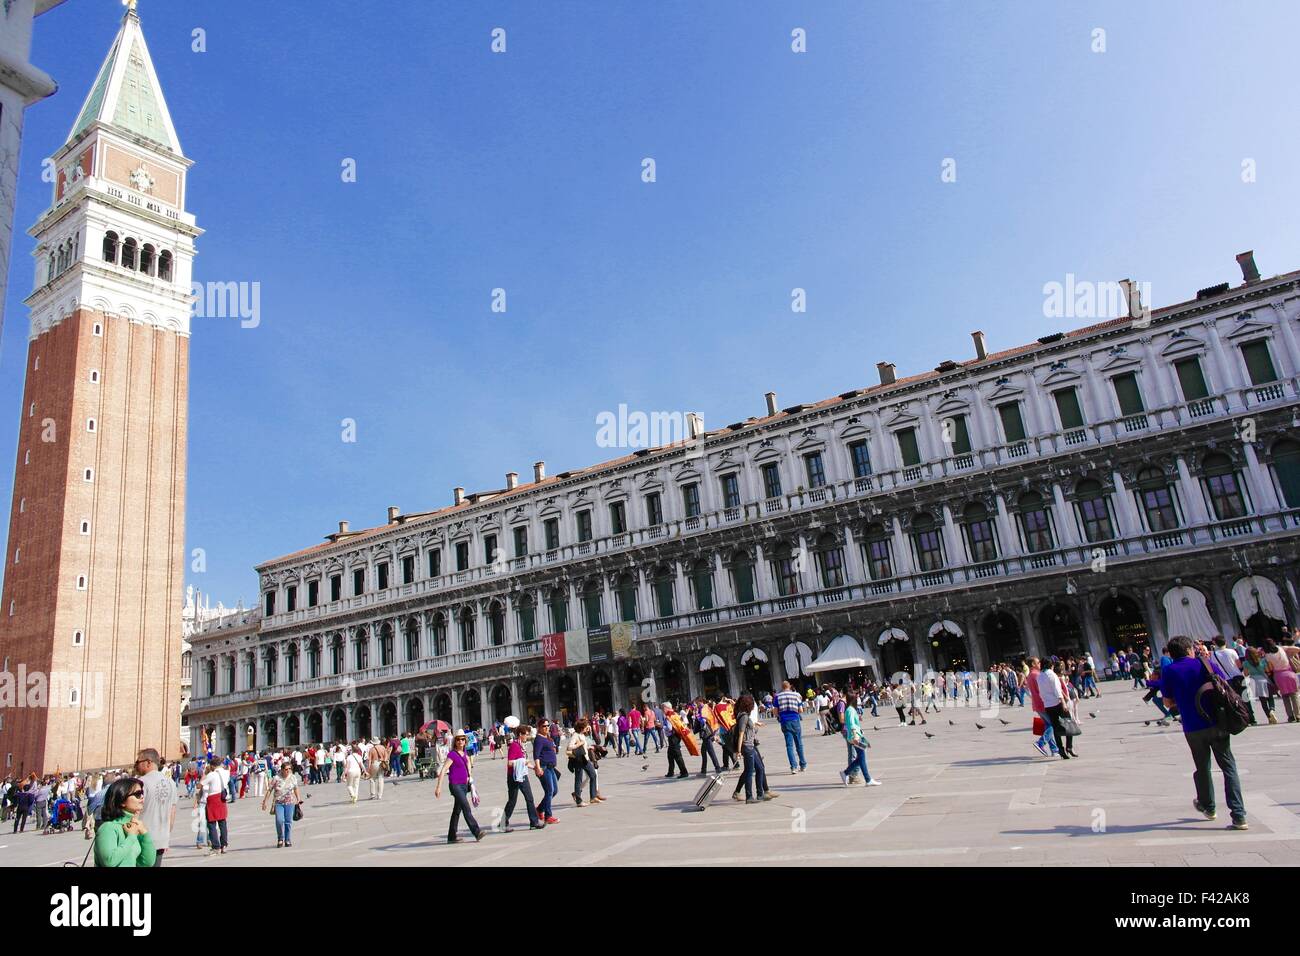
(708, 752)
(338, 770)
(283, 821)
(857, 762)
(461, 807)
(233, 782)
(217, 834)
(792, 731)
(1048, 737)
(1214, 741)
(625, 742)
(395, 763)
(755, 774)
(550, 787)
(526, 789)
(590, 771)
(1154, 696)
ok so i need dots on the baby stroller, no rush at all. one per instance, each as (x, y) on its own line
(62, 817)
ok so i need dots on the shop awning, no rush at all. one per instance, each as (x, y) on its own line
(1255, 594)
(892, 634)
(843, 653)
(797, 657)
(1187, 615)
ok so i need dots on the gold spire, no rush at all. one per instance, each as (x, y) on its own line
(130, 5)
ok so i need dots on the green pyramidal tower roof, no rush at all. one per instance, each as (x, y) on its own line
(126, 94)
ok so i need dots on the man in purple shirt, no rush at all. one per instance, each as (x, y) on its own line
(1182, 681)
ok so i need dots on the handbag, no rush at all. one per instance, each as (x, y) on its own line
(1218, 702)
(297, 812)
(1069, 726)
(1040, 726)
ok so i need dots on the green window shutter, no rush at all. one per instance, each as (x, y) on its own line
(1126, 392)
(960, 436)
(1067, 406)
(1258, 362)
(1191, 379)
(1013, 426)
(1286, 463)
(907, 447)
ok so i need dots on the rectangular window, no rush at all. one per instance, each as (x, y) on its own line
(730, 491)
(270, 603)
(462, 555)
(358, 582)
(983, 542)
(313, 593)
(1127, 394)
(816, 473)
(1013, 425)
(584, 525)
(654, 512)
(907, 447)
(1259, 364)
(617, 518)
(435, 562)
(771, 480)
(382, 572)
(1038, 530)
(552, 528)
(691, 500)
(1068, 408)
(743, 574)
(521, 541)
(878, 561)
(489, 548)
(929, 550)
(1191, 379)
(291, 598)
(861, 459)
(408, 569)
(959, 435)
(336, 587)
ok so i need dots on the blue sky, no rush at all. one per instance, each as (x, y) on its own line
(522, 171)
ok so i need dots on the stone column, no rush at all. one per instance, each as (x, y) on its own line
(618, 685)
(692, 665)
(1159, 635)
(806, 567)
(762, 575)
(1033, 642)
(279, 730)
(1259, 483)
(1126, 516)
(326, 731)
(682, 589)
(485, 704)
(973, 643)
(1194, 500)
(723, 595)
(902, 550)
(649, 609)
(775, 664)
(732, 657)
(853, 558)
(952, 541)
(1007, 530)
(548, 696)
(1065, 526)
(350, 711)
(920, 655)
(517, 702)
(1222, 363)
(457, 711)
(657, 672)
(1096, 641)
(1224, 609)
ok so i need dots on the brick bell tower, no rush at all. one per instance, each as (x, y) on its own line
(94, 569)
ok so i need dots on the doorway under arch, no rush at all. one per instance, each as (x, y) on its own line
(1062, 633)
(756, 672)
(675, 686)
(1123, 623)
(602, 690)
(414, 714)
(339, 725)
(501, 702)
(1002, 637)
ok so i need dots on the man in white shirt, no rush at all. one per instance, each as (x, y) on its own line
(1231, 664)
(159, 813)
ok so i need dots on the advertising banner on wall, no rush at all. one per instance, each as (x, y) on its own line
(599, 647)
(620, 639)
(575, 648)
(553, 651)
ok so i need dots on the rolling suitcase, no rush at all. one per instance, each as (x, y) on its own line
(700, 802)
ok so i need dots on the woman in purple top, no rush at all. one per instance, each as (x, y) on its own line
(457, 768)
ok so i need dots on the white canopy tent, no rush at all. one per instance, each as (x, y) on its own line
(753, 654)
(843, 653)
(891, 634)
(1257, 593)
(952, 627)
(712, 661)
(1187, 615)
(797, 657)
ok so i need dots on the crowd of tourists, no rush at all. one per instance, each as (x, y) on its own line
(1213, 689)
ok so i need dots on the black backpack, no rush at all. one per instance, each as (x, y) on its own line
(1216, 701)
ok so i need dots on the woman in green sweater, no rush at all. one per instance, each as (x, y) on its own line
(120, 838)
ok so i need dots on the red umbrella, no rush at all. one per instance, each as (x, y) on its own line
(435, 726)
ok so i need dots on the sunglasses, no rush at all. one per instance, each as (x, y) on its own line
(136, 793)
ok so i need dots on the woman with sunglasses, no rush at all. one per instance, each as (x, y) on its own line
(283, 799)
(120, 838)
(457, 769)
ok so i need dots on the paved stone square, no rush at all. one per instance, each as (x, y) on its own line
(966, 796)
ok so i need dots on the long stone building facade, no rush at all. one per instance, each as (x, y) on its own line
(1101, 488)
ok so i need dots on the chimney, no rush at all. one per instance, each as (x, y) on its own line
(694, 425)
(458, 495)
(1249, 272)
(393, 512)
(981, 349)
(771, 403)
(886, 370)
(1132, 297)
(512, 479)
(539, 471)
(343, 527)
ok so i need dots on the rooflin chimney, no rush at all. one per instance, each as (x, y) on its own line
(539, 470)
(981, 348)
(771, 402)
(458, 495)
(886, 370)
(1249, 272)
(512, 479)
(1132, 297)
(393, 512)
(343, 527)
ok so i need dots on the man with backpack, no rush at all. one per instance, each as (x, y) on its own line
(1185, 681)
